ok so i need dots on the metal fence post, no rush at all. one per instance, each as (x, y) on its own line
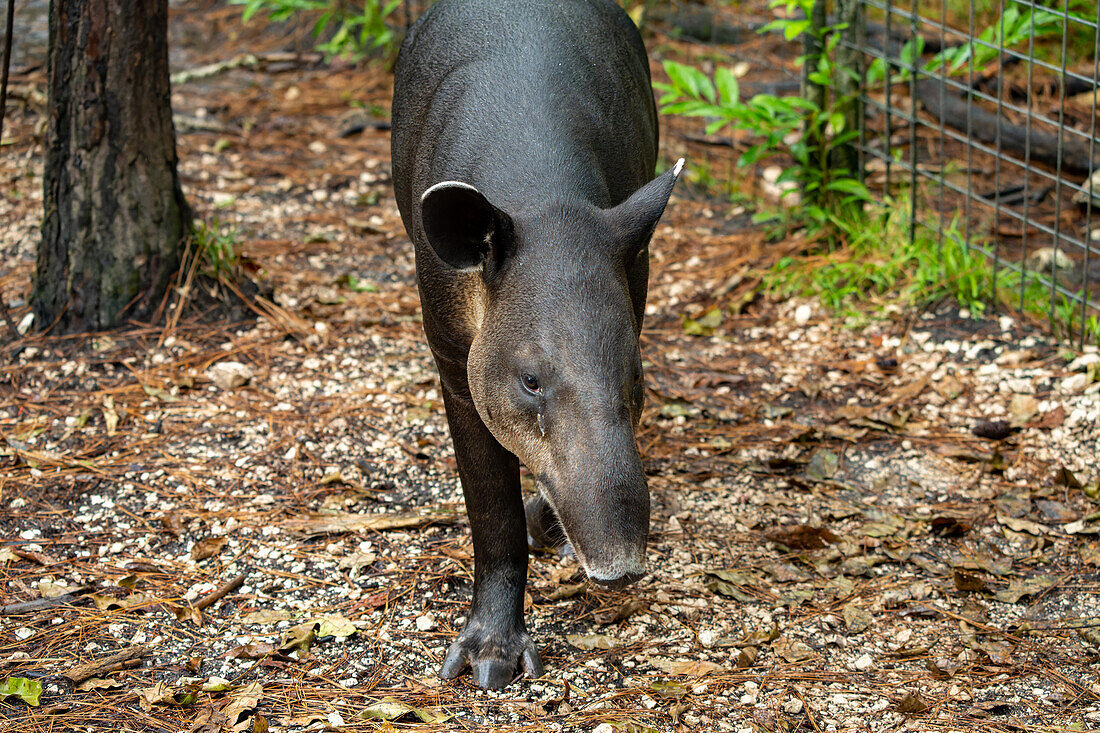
(849, 83)
(812, 49)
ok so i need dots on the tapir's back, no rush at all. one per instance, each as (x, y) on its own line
(529, 101)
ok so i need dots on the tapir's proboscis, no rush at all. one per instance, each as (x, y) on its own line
(524, 144)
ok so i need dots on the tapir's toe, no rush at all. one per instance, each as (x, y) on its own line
(493, 665)
(454, 662)
(493, 674)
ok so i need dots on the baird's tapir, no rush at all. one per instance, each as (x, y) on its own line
(524, 141)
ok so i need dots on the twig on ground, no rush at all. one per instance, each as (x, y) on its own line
(212, 598)
(115, 661)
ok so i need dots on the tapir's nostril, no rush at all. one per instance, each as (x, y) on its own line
(617, 583)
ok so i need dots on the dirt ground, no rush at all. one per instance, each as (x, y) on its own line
(249, 518)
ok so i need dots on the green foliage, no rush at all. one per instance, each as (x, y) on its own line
(357, 28)
(1092, 329)
(883, 265)
(216, 249)
(360, 286)
(792, 127)
(1063, 312)
(987, 13)
(1011, 29)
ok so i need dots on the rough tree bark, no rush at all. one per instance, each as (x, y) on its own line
(115, 216)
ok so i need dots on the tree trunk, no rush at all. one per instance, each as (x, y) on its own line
(115, 216)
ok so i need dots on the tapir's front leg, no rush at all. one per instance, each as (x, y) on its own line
(495, 640)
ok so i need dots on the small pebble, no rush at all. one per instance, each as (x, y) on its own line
(1074, 384)
(229, 374)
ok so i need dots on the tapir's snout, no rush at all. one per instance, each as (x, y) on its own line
(604, 518)
(610, 533)
(618, 583)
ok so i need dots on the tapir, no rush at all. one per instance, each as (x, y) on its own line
(524, 143)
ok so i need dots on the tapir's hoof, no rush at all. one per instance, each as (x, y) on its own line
(493, 665)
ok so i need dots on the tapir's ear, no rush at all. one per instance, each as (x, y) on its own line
(637, 217)
(462, 226)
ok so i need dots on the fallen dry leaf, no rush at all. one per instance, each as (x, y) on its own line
(621, 612)
(967, 582)
(241, 702)
(1050, 420)
(694, 668)
(588, 642)
(1023, 525)
(1023, 409)
(567, 591)
(256, 650)
(208, 547)
(686, 667)
(162, 694)
(802, 537)
(266, 616)
(746, 657)
(110, 415)
(792, 650)
(856, 619)
(949, 387)
(98, 683)
(912, 704)
(1027, 587)
(298, 638)
(335, 625)
(390, 709)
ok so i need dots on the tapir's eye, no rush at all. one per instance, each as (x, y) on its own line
(530, 383)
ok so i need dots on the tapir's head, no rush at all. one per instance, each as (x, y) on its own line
(554, 368)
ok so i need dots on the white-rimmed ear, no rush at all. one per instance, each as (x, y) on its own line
(637, 217)
(461, 225)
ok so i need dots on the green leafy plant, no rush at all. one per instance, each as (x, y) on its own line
(359, 286)
(884, 264)
(357, 29)
(1092, 329)
(1011, 29)
(791, 127)
(216, 248)
(1081, 35)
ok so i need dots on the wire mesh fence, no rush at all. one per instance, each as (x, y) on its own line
(981, 117)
